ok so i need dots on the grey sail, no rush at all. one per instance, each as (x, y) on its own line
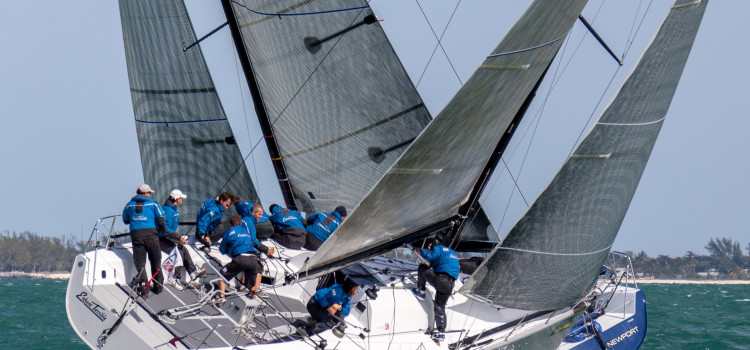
(553, 254)
(432, 179)
(183, 134)
(335, 98)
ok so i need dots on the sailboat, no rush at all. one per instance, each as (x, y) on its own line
(341, 131)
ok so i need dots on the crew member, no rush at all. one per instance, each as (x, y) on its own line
(243, 247)
(146, 220)
(442, 274)
(321, 225)
(253, 214)
(288, 227)
(171, 238)
(329, 302)
(209, 218)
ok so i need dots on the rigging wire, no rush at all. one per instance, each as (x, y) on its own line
(439, 42)
(556, 78)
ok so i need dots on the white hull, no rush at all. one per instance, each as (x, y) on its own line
(98, 292)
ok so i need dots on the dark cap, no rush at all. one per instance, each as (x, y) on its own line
(341, 210)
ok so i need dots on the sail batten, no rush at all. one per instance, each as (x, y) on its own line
(445, 162)
(552, 256)
(183, 134)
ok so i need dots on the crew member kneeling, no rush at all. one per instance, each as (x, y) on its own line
(329, 302)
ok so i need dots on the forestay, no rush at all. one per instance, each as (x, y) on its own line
(435, 175)
(553, 254)
(340, 106)
(184, 136)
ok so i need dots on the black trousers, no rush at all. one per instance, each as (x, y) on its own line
(263, 230)
(293, 238)
(167, 245)
(312, 242)
(322, 319)
(143, 248)
(443, 284)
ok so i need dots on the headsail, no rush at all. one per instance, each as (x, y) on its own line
(553, 254)
(336, 100)
(426, 186)
(184, 136)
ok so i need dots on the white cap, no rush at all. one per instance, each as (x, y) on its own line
(176, 194)
(145, 189)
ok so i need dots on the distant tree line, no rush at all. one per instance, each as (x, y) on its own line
(725, 260)
(30, 252)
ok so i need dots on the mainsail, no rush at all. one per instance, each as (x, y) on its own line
(335, 99)
(426, 186)
(184, 136)
(553, 254)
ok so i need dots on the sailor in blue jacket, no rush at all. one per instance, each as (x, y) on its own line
(327, 302)
(146, 220)
(208, 221)
(321, 225)
(171, 238)
(242, 246)
(253, 214)
(288, 227)
(442, 274)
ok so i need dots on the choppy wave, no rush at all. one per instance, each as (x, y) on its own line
(697, 316)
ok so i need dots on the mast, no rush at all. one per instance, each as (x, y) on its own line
(260, 109)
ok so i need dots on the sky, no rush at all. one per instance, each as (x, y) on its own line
(70, 154)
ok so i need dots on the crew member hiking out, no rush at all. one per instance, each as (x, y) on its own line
(146, 220)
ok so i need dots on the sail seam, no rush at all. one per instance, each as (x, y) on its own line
(558, 254)
(354, 133)
(172, 92)
(526, 49)
(634, 124)
(184, 122)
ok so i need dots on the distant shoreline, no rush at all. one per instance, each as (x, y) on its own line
(45, 275)
(659, 281)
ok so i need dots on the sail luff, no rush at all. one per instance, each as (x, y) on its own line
(184, 137)
(434, 176)
(260, 108)
(554, 253)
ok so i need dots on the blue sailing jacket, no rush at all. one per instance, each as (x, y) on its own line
(237, 240)
(321, 226)
(442, 259)
(147, 218)
(171, 217)
(243, 209)
(209, 216)
(282, 221)
(333, 295)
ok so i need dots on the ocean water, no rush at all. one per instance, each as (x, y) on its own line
(697, 316)
(686, 316)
